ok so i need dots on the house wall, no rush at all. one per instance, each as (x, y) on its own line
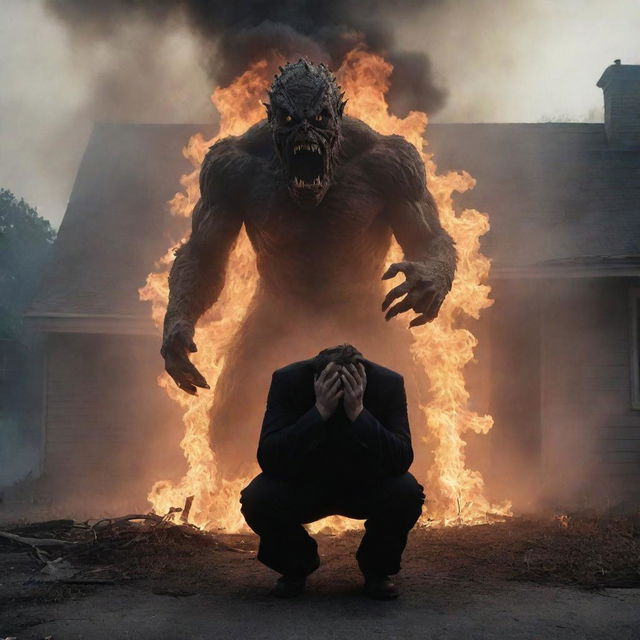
(504, 382)
(515, 440)
(20, 404)
(553, 370)
(110, 431)
(590, 433)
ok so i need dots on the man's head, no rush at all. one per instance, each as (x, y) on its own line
(342, 355)
(305, 113)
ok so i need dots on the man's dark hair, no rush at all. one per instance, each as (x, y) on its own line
(342, 354)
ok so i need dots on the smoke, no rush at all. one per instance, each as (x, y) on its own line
(55, 87)
(69, 63)
(233, 35)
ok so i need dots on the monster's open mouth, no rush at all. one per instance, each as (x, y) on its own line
(307, 166)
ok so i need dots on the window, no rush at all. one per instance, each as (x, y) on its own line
(635, 348)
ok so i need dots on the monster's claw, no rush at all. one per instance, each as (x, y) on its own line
(396, 268)
(427, 313)
(420, 320)
(188, 388)
(196, 378)
(184, 373)
(188, 381)
(426, 301)
(396, 292)
(400, 307)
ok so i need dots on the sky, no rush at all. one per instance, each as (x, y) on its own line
(500, 61)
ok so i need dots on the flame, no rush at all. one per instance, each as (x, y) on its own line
(441, 348)
(215, 501)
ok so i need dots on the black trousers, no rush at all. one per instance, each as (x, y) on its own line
(276, 511)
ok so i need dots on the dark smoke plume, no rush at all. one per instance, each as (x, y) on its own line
(235, 34)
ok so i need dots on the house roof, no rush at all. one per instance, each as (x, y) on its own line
(556, 195)
(553, 191)
(116, 224)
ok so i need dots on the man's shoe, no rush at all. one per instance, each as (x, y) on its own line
(380, 588)
(288, 587)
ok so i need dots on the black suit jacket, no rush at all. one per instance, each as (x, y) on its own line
(297, 444)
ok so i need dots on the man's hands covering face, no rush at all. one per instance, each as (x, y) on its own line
(328, 390)
(335, 383)
(354, 380)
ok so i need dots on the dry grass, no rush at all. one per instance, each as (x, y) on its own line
(583, 550)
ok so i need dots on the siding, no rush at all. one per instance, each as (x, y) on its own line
(109, 429)
(513, 370)
(591, 435)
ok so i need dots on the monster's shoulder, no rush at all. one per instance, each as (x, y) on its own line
(395, 166)
(358, 138)
(257, 141)
(231, 159)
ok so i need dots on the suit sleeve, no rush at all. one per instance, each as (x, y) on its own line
(287, 439)
(386, 438)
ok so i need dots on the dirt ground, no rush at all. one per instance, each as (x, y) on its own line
(522, 579)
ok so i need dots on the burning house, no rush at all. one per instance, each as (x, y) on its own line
(558, 359)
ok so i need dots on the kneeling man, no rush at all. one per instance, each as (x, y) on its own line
(335, 440)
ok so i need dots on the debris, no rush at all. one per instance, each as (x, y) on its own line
(84, 549)
(60, 569)
(49, 526)
(187, 508)
(589, 550)
(35, 542)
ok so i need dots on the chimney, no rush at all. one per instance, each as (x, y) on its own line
(620, 84)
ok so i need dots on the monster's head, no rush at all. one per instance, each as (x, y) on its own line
(305, 113)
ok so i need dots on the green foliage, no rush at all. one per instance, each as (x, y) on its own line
(25, 243)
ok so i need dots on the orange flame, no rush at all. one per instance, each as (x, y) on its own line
(445, 348)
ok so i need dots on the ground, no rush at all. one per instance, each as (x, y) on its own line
(522, 579)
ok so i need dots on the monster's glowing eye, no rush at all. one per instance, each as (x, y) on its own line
(288, 118)
(319, 117)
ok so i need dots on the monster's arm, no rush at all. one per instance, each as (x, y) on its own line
(429, 252)
(198, 272)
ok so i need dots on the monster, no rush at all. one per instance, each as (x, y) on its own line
(320, 195)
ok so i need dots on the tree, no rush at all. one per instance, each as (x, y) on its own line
(25, 244)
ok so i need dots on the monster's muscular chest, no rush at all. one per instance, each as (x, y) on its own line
(336, 247)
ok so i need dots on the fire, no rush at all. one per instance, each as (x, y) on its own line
(441, 348)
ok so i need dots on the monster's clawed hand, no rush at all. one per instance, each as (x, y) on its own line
(177, 346)
(424, 290)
